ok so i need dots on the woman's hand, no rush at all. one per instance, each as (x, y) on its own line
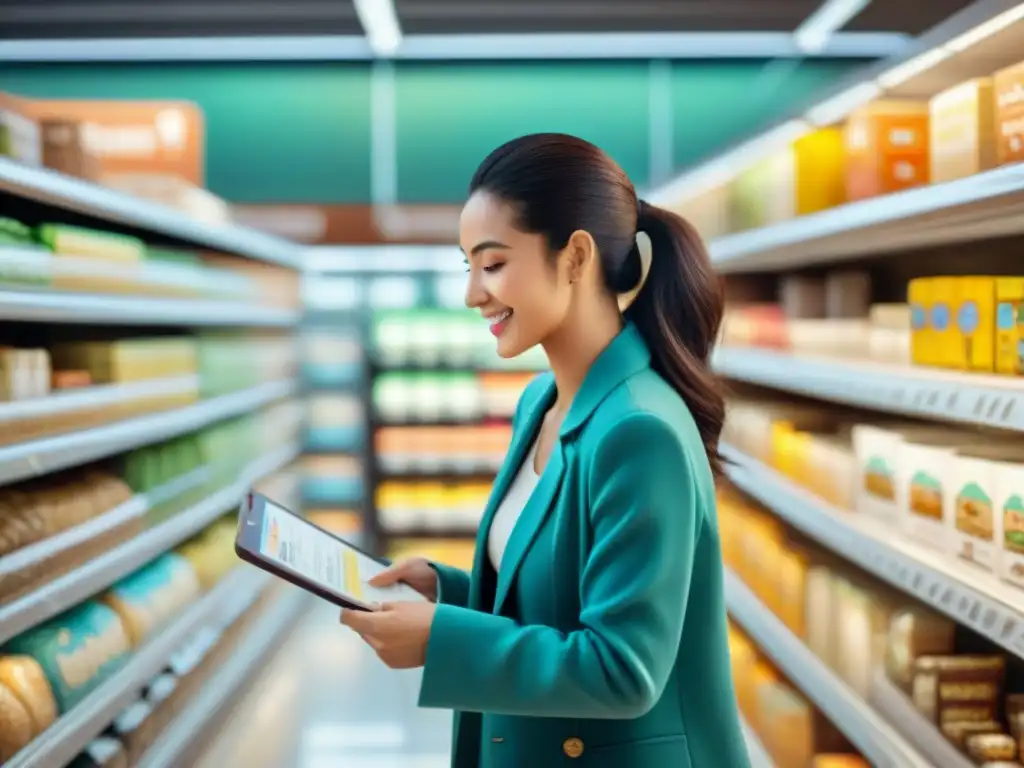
(398, 632)
(416, 572)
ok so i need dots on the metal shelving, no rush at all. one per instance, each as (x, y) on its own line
(67, 737)
(263, 637)
(49, 454)
(97, 309)
(967, 398)
(986, 205)
(863, 726)
(99, 573)
(759, 758)
(70, 194)
(974, 598)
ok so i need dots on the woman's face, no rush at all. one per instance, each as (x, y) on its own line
(519, 291)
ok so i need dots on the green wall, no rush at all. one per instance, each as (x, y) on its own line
(303, 132)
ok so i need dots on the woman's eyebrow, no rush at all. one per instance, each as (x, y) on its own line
(487, 245)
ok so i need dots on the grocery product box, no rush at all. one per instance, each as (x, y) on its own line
(922, 336)
(890, 338)
(1009, 523)
(1009, 341)
(820, 177)
(976, 477)
(973, 345)
(887, 148)
(963, 135)
(944, 333)
(926, 478)
(1008, 85)
(20, 138)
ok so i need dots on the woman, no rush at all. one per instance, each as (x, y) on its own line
(592, 629)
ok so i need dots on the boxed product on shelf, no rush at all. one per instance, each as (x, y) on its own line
(443, 449)
(820, 170)
(1009, 356)
(66, 149)
(887, 148)
(20, 138)
(1008, 530)
(963, 131)
(889, 333)
(977, 472)
(1009, 94)
(408, 506)
(336, 422)
(333, 480)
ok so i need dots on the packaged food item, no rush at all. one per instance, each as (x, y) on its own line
(989, 747)
(958, 689)
(976, 475)
(65, 149)
(820, 170)
(151, 596)
(886, 148)
(1010, 325)
(925, 476)
(915, 632)
(963, 133)
(22, 676)
(1009, 93)
(923, 347)
(1008, 530)
(76, 650)
(16, 726)
(975, 312)
(959, 731)
(19, 131)
(946, 334)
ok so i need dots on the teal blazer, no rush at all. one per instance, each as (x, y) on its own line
(602, 642)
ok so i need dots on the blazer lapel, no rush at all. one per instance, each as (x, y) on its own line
(529, 523)
(522, 439)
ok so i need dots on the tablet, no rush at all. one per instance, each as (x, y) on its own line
(292, 548)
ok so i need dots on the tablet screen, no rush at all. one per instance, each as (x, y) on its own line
(315, 555)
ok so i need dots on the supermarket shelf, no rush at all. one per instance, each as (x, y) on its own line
(70, 194)
(38, 457)
(174, 745)
(66, 738)
(985, 205)
(974, 598)
(102, 396)
(864, 727)
(894, 705)
(983, 400)
(96, 575)
(99, 309)
(759, 758)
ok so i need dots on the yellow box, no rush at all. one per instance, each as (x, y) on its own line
(1010, 325)
(975, 323)
(963, 132)
(922, 337)
(946, 336)
(820, 170)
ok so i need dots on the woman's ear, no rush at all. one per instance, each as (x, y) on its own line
(580, 255)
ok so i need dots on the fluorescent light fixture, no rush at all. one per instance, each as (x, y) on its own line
(838, 107)
(832, 15)
(986, 29)
(910, 68)
(380, 23)
(509, 47)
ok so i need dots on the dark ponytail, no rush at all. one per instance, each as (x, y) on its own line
(679, 312)
(559, 184)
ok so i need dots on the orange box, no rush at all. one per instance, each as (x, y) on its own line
(1009, 95)
(887, 148)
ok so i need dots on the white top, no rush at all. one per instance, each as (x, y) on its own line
(511, 507)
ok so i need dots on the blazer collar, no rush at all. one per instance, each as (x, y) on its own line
(627, 354)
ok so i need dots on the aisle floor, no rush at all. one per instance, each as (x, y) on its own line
(326, 701)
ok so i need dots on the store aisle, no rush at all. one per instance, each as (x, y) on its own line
(326, 701)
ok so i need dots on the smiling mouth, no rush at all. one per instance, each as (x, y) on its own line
(498, 323)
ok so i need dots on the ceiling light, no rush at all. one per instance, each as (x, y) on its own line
(812, 36)
(380, 23)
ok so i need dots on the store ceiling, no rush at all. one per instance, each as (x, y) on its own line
(91, 19)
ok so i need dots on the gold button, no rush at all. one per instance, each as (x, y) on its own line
(572, 747)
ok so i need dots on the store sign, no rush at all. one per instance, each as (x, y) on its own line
(137, 137)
